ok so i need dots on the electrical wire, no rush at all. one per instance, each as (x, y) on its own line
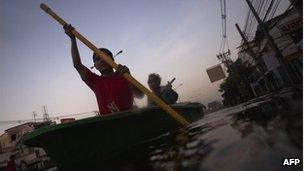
(275, 8)
(268, 10)
(264, 8)
(251, 19)
(224, 41)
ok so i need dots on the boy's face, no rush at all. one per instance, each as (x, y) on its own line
(153, 83)
(100, 64)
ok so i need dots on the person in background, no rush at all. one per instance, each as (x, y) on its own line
(113, 92)
(11, 166)
(166, 93)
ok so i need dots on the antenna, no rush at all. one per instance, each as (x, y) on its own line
(45, 115)
(118, 53)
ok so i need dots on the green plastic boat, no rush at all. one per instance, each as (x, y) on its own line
(77, 144)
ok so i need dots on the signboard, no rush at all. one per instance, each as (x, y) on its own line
(216, 73)
(291, 26)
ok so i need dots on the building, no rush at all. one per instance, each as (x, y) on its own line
(286, 31)
(26, 157)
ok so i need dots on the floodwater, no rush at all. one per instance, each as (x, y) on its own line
(251, 136)
(259, 135)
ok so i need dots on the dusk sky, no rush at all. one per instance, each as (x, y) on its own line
(174, 38)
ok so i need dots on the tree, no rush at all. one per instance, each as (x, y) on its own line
(236, 87)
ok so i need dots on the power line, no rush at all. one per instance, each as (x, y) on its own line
(259, 7)
(251, 20)
(224, 54)
(268, 10)
(275, 8)
(264, 7)
(224, 41)
(76, 114)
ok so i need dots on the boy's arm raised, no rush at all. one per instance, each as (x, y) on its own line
(75, 53)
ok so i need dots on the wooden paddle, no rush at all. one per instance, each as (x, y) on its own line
(108, 60)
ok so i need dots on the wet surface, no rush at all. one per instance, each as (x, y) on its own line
(252, 136)
(256, 135)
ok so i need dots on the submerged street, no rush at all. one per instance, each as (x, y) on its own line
(151, 85)
(251, 136)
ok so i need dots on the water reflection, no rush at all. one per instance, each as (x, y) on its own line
(185, 152)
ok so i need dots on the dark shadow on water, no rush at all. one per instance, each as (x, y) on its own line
(182, 149)
(273, 114)
(256, 138)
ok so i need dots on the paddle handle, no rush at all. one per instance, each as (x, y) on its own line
(80, 37)
(109, 61)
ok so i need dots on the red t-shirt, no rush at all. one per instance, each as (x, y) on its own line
(10, 166)
(113, 93)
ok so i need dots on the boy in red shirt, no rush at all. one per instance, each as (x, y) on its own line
(11, 166)
(113, 92)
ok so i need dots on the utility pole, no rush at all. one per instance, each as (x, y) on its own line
(45, 115)
(256, 60)
(274, 47)
(224, 56)
(225, 59)
(34, 114)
